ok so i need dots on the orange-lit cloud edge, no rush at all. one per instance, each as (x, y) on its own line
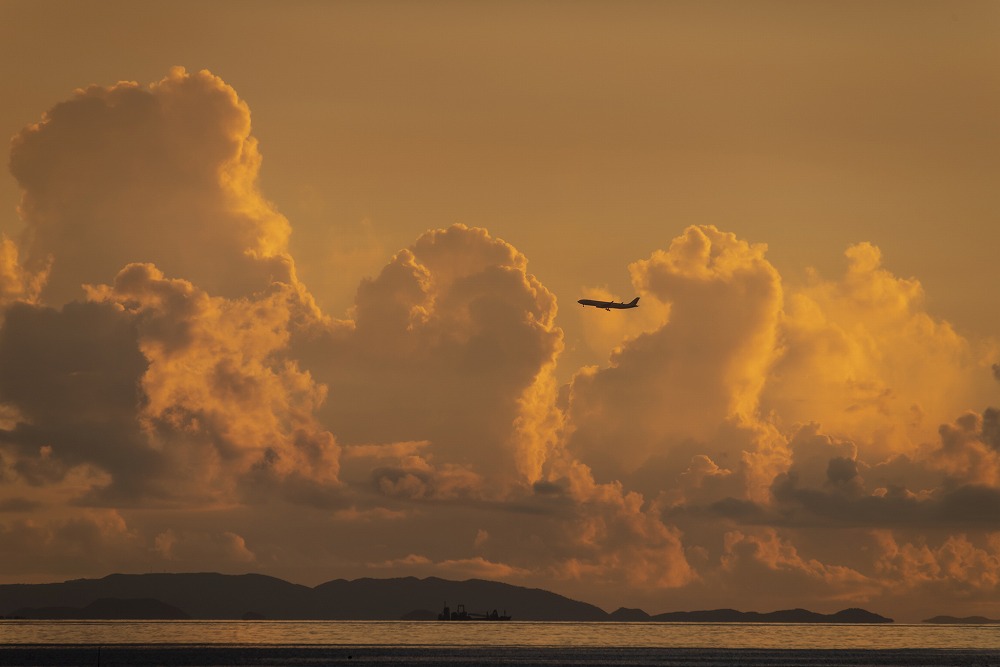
(171, 397)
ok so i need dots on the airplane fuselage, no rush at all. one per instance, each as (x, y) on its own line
(608, 305)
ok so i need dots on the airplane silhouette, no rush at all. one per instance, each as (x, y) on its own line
(608, 305)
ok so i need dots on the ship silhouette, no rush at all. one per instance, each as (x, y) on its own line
(461, 615)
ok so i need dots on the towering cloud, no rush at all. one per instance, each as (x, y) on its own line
(699, 372)
(160, 389)
(448, 344)
(849, 358)
(164, 173)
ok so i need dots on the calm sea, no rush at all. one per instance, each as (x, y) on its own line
(507, 634)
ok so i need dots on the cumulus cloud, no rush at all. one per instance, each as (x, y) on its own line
(164, 173)
(193, 370)
(970, 448)
(829, 483)
(173, 393)
(773, 567)
(222, 397)
(49, 547)
(174, 388)
(848, 359)
(613, 545)
(461, 568)
(193, 550)
(448, 344)
(755, 402)
(958, 570)
(667, 393)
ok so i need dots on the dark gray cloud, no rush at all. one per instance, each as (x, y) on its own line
(842, 470)
(965, 506)
(19, 505)
(74, 377)
(81, 363)
(991, 427)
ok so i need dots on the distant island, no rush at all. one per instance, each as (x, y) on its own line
(258, 597)
(965, 620)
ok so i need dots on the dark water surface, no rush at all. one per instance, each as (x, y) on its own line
(427, 643)
(165, 655)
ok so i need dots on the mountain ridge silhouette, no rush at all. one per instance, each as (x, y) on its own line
(211, 595)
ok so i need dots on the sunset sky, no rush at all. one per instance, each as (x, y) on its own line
(291, 288)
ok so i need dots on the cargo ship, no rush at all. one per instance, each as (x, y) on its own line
(461, 615)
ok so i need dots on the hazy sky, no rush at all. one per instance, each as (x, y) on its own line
(291, 288)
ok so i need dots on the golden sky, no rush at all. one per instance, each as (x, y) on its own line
(291, 288)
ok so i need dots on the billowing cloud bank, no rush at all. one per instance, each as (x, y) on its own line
(172, 398)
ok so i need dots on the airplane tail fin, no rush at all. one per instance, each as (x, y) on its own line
(634, 302)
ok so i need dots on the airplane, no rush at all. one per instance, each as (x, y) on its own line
(608, 305)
